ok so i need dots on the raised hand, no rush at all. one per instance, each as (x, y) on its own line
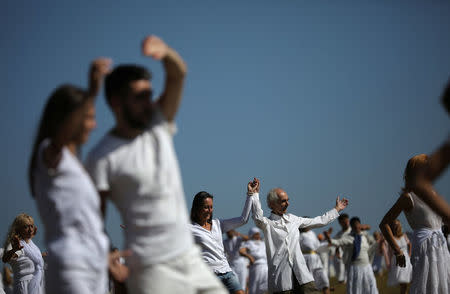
(341, 204)
(253, 187)
(15, 243)
(154, 47)
(100, 67)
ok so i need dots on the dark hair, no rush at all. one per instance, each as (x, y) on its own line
(342, 216)
(62, 102)
(353, 220)
(117, 82)
(197, 204)
(446, 97)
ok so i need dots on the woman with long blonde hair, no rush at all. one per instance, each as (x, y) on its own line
(430, 258)
(24, 256)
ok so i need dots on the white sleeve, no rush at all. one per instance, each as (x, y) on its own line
(318, 221)
(232, 223)
(98, 170)
(258, 214)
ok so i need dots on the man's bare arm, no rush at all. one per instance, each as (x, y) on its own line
(175, 68)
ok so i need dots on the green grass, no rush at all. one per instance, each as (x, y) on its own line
(381, 284)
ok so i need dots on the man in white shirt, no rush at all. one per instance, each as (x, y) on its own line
(135, 166)
(288, 272)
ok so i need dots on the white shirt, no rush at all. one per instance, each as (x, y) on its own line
(347, 243)
(22, 266)
(282, 245)
(309, 241)
(231, 247)
(144, 181)
(257, 249)
(69, 207)
(211, 242)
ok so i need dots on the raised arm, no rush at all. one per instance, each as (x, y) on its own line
(403, 203)
(232, 223)
(11, 254)
(175, 69)
(257, 212)
(326, 218)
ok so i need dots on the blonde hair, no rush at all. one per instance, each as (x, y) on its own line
(414, 164)
(15, 227)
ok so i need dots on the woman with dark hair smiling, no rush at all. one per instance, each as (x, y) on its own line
(207, 233)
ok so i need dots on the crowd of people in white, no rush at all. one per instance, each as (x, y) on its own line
(135, 166)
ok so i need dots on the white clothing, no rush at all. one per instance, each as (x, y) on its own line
(284, 256)
(144, 181)
(430, 257)
(238, 263)
(257, 283)
(69, 207)
(324, 252)
(361, 280)
(360, 277)
(186, 274)
(1, 277)
(339, 264)
(36, 284)
(23, 269)
(309, 244)
(400, 275)
(211, 242)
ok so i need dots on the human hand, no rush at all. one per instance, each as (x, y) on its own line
(100, 67)
(341, 204)
(15, 243)
(253, 187)
(118, 270)
(154, 47)
(400, 260)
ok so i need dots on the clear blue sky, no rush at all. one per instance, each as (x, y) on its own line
(318, 97)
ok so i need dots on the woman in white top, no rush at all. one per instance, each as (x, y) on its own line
(66, 198)
(400, 275)
(255, 250)
(430, 257)
(207, 233)
(24, 256)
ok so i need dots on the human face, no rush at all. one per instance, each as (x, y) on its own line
(256, 236)
(205, 212)
(81, 123)
(345, 223)
(137, 106)
(396, 228)
(356, 227)
(280, 206)
(26, 231)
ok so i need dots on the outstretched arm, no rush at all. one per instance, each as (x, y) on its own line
(326, 218)
(232, 223)
(11, 254)
(175, 68)
(403, 203)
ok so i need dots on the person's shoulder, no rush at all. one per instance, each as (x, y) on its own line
(107, 144)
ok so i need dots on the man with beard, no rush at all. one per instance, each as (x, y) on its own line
(135, 166)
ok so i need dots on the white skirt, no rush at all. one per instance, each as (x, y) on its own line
(315, 266)
(361, 280)
(399, 275)
(257, 283)
(431, 263)
(240, 268)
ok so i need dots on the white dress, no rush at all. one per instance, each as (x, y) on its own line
(238, 263)
(257, 283)
(309, 244)
(400, 275)
(69, 207)
(430, 257)
(23, 269)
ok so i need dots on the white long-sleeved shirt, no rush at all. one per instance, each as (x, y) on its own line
(347, 243)
(211, 242)
(284, 256)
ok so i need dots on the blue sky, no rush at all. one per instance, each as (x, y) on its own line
(320, 98)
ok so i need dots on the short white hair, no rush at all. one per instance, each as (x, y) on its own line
(272, 196)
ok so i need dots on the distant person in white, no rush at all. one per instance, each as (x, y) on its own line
(287, 266)
(255, 250)
(430, 257)
(135, 166)
(24, 256)
(66, 198)
(340, 255)
(325, 252)
(360, 276)
(208, 232)
(310, 244)
(238, 263)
